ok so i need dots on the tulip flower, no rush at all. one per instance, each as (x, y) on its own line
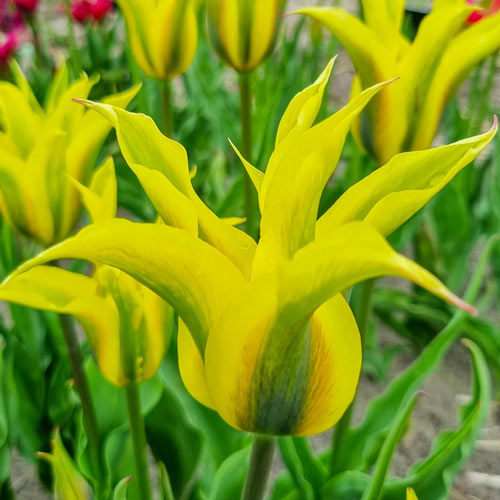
(406, 115)
(243, 32)
(39, 147)
(163, 35)
(28, 6)
(127, 325)
(9, 43)
(266, 337)
(477, 15)
(86, 10)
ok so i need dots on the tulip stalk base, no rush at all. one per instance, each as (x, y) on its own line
(167, 108)
(246, 142)
(260, 467)
(83, 390)
(138, 440)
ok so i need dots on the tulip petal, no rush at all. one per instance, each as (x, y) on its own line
(192, 367)
(18, 120)
(360, 42)
(298, 174)
(286, 381)
(100, 197)
(304, 107)
(352, 253)
(256, 175)
(393, 193)
(57, 290)
(143, 144)
(192, 276)
(423, 56)
(464, 52)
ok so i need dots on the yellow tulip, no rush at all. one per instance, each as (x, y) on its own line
(128, 326)
(39, 147)
(163, 35)
(265, 335)
(406, 115)
(243, 31)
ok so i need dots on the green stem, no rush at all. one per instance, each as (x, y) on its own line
(73, 47)
(139, 440)
(246, 143)
(31, 22)
(260, 467)
(167, 108)
(338, 439)
(83, 390)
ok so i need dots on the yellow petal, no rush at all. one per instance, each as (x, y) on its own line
(19, 121)
(143, 144)
(393, 193)
(288, 380)
(304, 107)
(192, 367)
(296, 176)
(100, 197)
(64, 292)
(467, 49)
(192, 276)
(352, 253)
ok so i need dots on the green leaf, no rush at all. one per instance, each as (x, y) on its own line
(120, 491)
(230, 478)
(384, 459)
(362, 443)
(294, 465)
(165, 484)
(432, 477)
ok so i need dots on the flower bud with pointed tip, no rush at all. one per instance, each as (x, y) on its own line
(243, 31)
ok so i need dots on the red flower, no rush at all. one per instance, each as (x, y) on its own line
(481, 13)
(9, 43)
(90, 10)
(27, 5)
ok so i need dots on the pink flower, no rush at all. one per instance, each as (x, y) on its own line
(9, 43)
(481, 13)
(90, 10)
(27, 5)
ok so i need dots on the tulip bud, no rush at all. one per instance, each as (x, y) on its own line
(243, 31)
(163, 35)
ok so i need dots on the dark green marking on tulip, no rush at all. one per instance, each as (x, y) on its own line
(179, 26)
(246, 21)
(280, 382)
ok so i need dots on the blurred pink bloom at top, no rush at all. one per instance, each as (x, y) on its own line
(11, 29)
(90, 10)
(27, 5)
(9, 43)
(477, 15)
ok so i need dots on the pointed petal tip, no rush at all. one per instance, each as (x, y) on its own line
(84, 102)
(461, 304)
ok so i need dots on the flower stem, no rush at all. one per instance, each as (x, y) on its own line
(260, 467)
(138, 439)
(167, 108)
(73, 47)
(83, 390)
(246, 142)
